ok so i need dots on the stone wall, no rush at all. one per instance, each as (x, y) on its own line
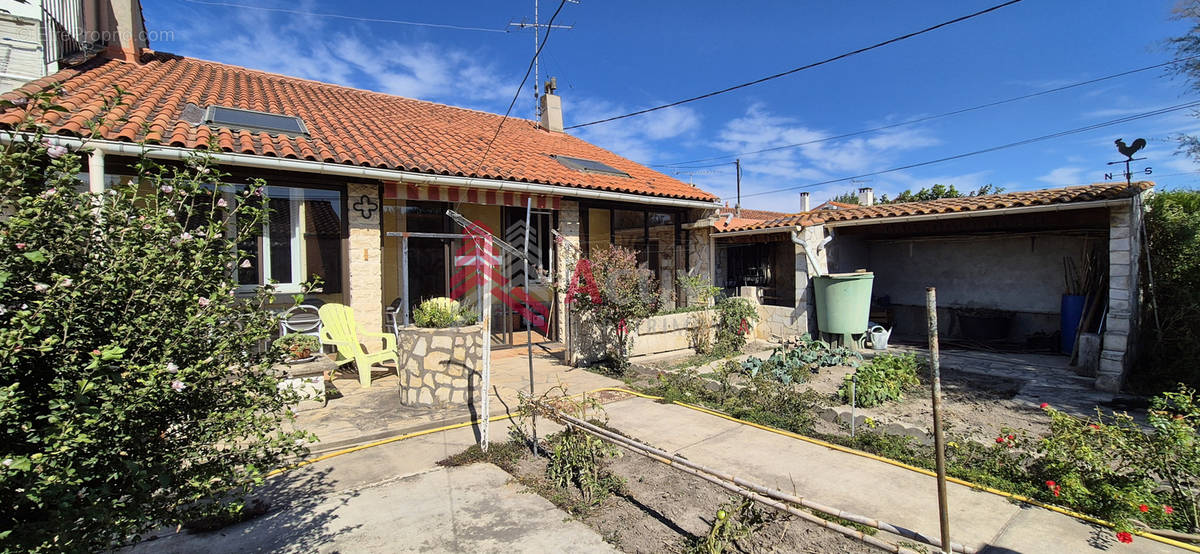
(1124, 257)
(364, 270)
(655, 335)
(566, 256)
(440, 367)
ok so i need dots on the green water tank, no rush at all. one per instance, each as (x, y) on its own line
(843, 302)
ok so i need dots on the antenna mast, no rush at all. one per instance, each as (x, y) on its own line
(537, 35)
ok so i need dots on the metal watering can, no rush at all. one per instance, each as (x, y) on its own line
(879, 337)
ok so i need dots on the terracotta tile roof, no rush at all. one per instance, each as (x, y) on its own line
(345, 125)
(754, 214)
(1066, 195)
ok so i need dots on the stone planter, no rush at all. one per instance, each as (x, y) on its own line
(308, 379)
(655, 335)
(439, 367)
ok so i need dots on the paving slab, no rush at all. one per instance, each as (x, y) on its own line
(862, 485)
(462, 509)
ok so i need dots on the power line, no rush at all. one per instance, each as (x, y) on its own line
(349, 17)
(1091, 127)
(546, 37)
(801, 68)
(930, 117)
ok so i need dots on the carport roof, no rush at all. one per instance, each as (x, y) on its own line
(1028, 198)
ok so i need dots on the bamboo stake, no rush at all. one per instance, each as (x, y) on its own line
(938, 440)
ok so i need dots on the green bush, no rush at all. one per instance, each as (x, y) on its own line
(1170, 325)
(795, 363)
(133, 392)
(735, 319)
(617, 294)
(883, 379)
(442, 312)
(297, 345)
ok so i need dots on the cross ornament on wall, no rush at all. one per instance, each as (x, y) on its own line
(366, 206)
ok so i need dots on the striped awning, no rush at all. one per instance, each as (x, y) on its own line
(438, 193)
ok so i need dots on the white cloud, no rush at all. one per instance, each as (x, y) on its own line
(1063, 176)
(632, 137)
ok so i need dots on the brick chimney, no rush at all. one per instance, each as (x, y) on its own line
(551, 108)
(804, 202)
(866, 196)
(119, 25)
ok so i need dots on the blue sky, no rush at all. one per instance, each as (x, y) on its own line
(622, 56)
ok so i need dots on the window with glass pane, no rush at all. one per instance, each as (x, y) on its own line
(629, 231)
(300, 241)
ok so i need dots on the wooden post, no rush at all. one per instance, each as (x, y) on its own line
(939, 445)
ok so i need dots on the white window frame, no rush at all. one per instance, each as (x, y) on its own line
(296, 241)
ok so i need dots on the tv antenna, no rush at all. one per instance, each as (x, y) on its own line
(537, 32)
(1128, 150)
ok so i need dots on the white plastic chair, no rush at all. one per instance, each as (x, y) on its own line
(302, 319)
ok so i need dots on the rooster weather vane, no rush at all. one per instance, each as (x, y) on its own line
(1128, 150)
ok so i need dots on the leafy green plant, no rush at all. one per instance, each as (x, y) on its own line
(883, 379)
(790, 364)
(700, 293)
(1171, 309)
(442, 312)
(735, 520)
(133, 392)
(297, 345)
(735, 319)
(577, 458)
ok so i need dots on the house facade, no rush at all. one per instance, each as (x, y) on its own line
(359, 184)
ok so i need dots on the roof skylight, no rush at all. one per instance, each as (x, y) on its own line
(589, 166)
(235, 118)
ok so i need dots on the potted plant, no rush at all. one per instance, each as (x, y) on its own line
(442, 312)
(298, 347)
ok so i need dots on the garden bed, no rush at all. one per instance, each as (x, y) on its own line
(661, 509)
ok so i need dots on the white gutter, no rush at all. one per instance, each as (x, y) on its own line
(1066, 206)
(343, 170)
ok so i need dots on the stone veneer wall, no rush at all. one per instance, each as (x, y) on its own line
(1124, 257)
(364, 270)
(566, 256)
(440, 367)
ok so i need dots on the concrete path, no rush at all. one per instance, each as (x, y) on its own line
(365, 415)
(985, 521)
(342, 505)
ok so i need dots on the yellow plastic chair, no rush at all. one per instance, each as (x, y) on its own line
(338, 328)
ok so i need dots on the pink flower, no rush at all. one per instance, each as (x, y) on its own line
(167, 189)
(41, 287)
(96, 352)
(186, 236)
(221, 203)
(172, 368)
(56, 151)
(177, 385)
(1124, 537)
(20, 102)
(1168, 509)
(20, 246)
(203, 302)
(245, 264)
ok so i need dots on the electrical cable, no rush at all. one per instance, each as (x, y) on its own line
(926, 118)
(348, 17)
(536, 53)
(803, 67)
(1152, 113)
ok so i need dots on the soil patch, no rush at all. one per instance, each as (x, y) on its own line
(661, 509)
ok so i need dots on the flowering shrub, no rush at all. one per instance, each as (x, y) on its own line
(132, 390)
(735, 320)
(616, 293)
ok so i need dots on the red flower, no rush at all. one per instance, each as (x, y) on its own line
(1054, 487)
(1010, 437)
(1144, 508)
(1168, 509)
(1045, 405)
(1050, 484)
(95, 352)
(1124, 537)
(999, 440)
(1096, 427)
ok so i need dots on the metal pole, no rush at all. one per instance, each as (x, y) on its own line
(939, 445)
(404, 270)
(529, 318)
(485, 395)
(853, 400)
(737, 208)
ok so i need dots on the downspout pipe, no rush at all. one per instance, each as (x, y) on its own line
(812, 259)
(342, 170)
